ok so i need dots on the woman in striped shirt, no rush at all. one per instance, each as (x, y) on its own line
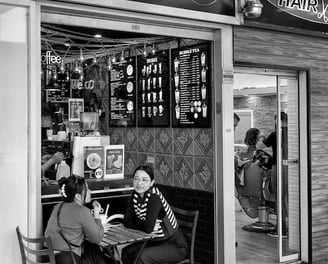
(149, 211)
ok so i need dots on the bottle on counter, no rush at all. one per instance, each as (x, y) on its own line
(63, 170)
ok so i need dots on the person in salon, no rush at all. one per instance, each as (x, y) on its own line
(76, 224)
(149, 211)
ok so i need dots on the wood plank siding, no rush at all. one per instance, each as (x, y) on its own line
(279, 50)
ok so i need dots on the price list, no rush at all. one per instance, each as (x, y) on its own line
(153, 90)
(191, 86)
(123, 94)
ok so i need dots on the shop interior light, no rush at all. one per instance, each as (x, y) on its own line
(98, 36)
(55, 75)
(153, 50)
(62, 67)
(145, 50)
(81, 55)
(109, 64)
(251, 8)
(122, 59)
(76, 67)
(113, 58)
(94, 60)
(67, 76)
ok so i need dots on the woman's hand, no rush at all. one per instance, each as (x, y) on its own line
(96, 208)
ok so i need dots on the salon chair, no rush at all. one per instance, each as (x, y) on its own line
(254, 194)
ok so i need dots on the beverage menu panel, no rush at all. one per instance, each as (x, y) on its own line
(153, 90)
(122, 98)
(190, 74)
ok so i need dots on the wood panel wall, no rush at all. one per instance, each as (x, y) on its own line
(279, 49)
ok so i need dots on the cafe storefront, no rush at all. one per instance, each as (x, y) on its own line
(187, 138)
(185, 146)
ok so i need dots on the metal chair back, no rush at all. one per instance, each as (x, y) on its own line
(188, 224)
(33, 250)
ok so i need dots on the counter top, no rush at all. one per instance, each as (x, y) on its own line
(95, 185)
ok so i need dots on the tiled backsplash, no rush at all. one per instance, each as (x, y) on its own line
(182, 157)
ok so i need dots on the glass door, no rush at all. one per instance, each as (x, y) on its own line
(288, 192)
(267, 174)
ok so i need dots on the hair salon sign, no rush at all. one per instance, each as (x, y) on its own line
(312, 10)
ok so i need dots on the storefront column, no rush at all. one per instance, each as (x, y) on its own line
(223, 90)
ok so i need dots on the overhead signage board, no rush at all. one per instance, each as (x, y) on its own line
(222, 7)
(218, 11)
(309, 15)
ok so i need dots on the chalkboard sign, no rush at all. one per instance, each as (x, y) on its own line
(191, 86)
(153, 90)
(59, 91)
(122, 99)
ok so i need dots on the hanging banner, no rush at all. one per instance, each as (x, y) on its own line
(219, 7)
(303, 14)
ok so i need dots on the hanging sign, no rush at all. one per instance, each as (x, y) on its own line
(311, 10)
(122, 98)
(154, 90)
(191, 86)
(309, 16)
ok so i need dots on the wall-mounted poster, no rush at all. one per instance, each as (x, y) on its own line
(75, 107)
(153, 90)
(114, 161)
(122, 99)
(191, 86)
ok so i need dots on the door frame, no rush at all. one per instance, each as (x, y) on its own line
(303, 147)
(221, 37)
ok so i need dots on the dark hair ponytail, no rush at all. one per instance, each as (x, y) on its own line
(70, 186)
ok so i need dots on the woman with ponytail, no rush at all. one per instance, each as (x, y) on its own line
(71, 222)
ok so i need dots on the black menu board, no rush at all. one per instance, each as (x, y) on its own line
(190, 74)
(59, 91)
(154, 90)
(122, 99)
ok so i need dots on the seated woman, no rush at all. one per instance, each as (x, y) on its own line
(149, 211)
(76, 223)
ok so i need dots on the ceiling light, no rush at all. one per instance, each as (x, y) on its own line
(145, 50)
(97, 36)
(122, 56)
(81, 55)
(109, 64)
(153, 50)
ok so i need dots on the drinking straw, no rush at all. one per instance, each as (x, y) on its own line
(107, 207)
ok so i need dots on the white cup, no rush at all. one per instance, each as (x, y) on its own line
(49, 133)
(103, 218)
(61, 135)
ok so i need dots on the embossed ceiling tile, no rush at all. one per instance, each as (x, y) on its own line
(130, 139)
(164, 169)
(163, 140)
(146, 138)
(204, 142)
(131, 162)
(116, 136)
(183, 141)
(204, 173)
(183, 172)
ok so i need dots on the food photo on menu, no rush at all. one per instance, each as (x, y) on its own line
(94, 162)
